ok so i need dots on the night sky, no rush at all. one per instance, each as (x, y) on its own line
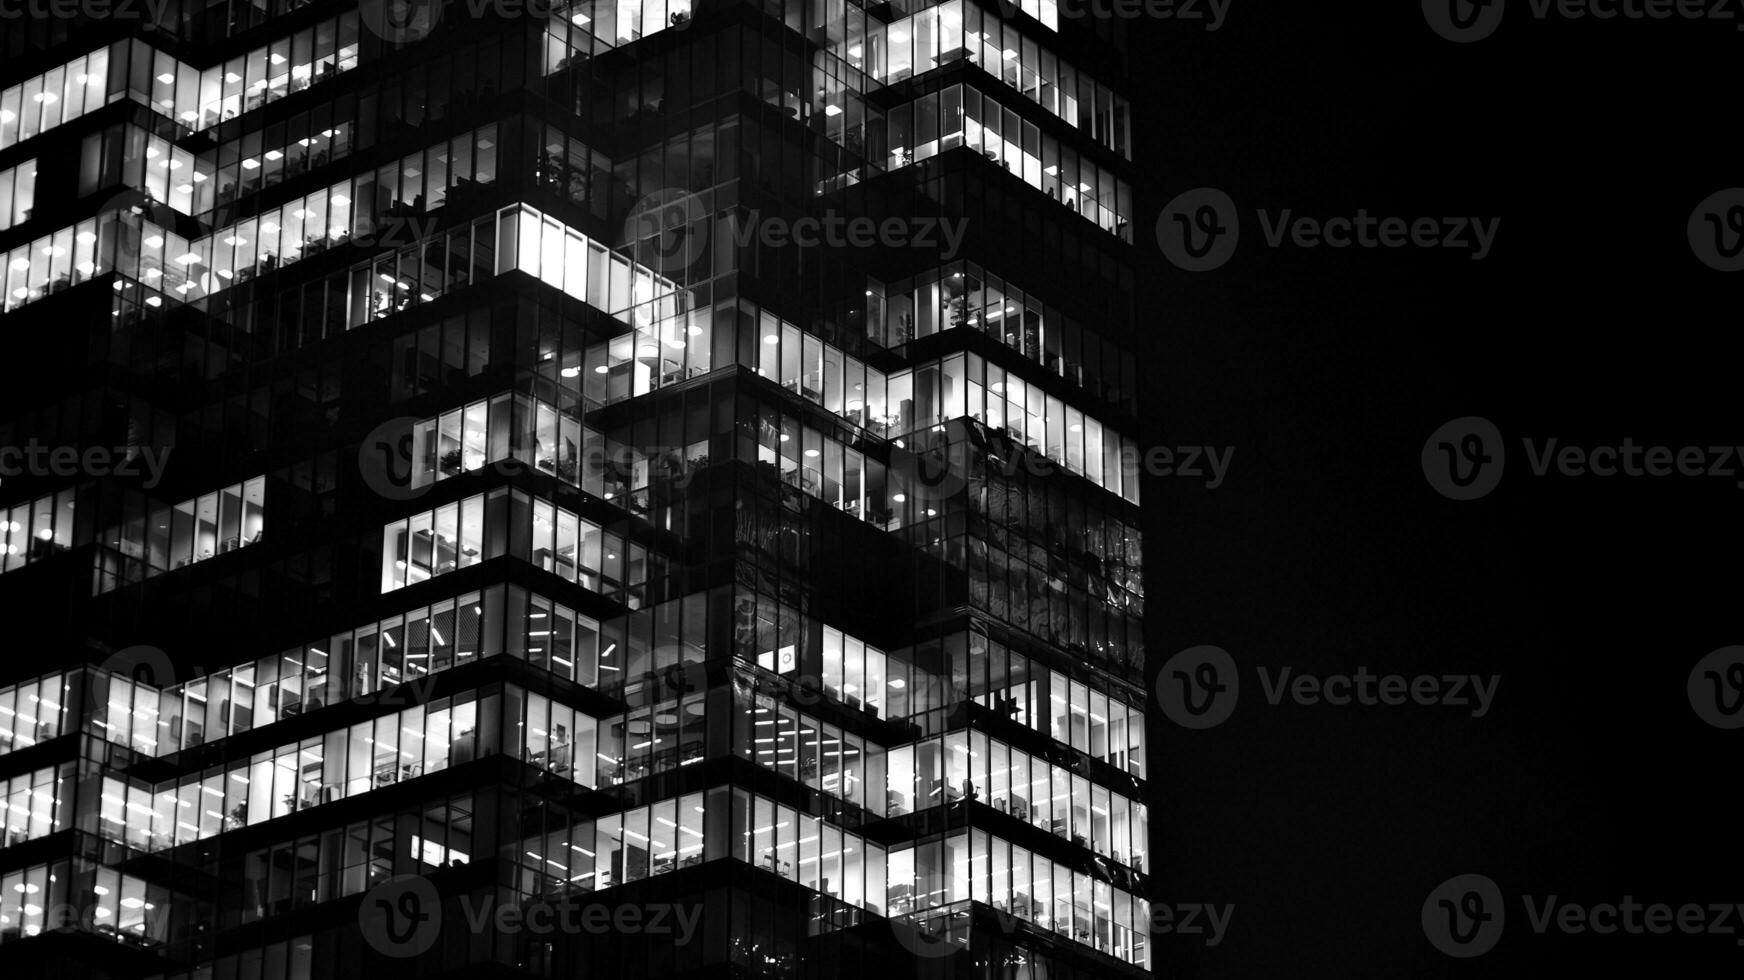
(1326, 549)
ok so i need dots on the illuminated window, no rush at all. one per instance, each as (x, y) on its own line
(17, 194)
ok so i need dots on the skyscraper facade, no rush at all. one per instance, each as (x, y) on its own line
(629, 487)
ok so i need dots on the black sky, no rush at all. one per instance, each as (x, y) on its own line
(1326, 549)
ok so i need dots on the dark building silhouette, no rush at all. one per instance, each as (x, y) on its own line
(622, 489)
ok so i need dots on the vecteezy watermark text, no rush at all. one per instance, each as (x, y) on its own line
(36, 459)
(1465, 21)
(671, 229)
(1200, 686)
(1464, 916)
(402, 917)
(150, 665)
(1209, 13)
(143, 10)
(1199, 230)
(1464, 459)
(946, 469)
(923, 936)
(1183, 919)
(573, 916)
(1208, 463)
(835, 230)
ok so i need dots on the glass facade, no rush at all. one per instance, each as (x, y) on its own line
(935, 35)
(617, 556)
(976, 866)
(36, 105)
(37, 803)
(188, 531)
(963, 116)
(36, 529)
(17, 193)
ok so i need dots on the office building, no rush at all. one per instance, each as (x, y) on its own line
(624, 456)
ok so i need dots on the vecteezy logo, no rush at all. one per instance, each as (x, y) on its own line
(1716, 688)
(141, 663)
(1199, 229)
(1716, 230)
(667, 230)
(1463, 916)
(401, 916)
(1463, 21)
(385, 459)
(400, 21)
(1463, 459)
(928, 939)
(1199, 687)
(929, 466)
